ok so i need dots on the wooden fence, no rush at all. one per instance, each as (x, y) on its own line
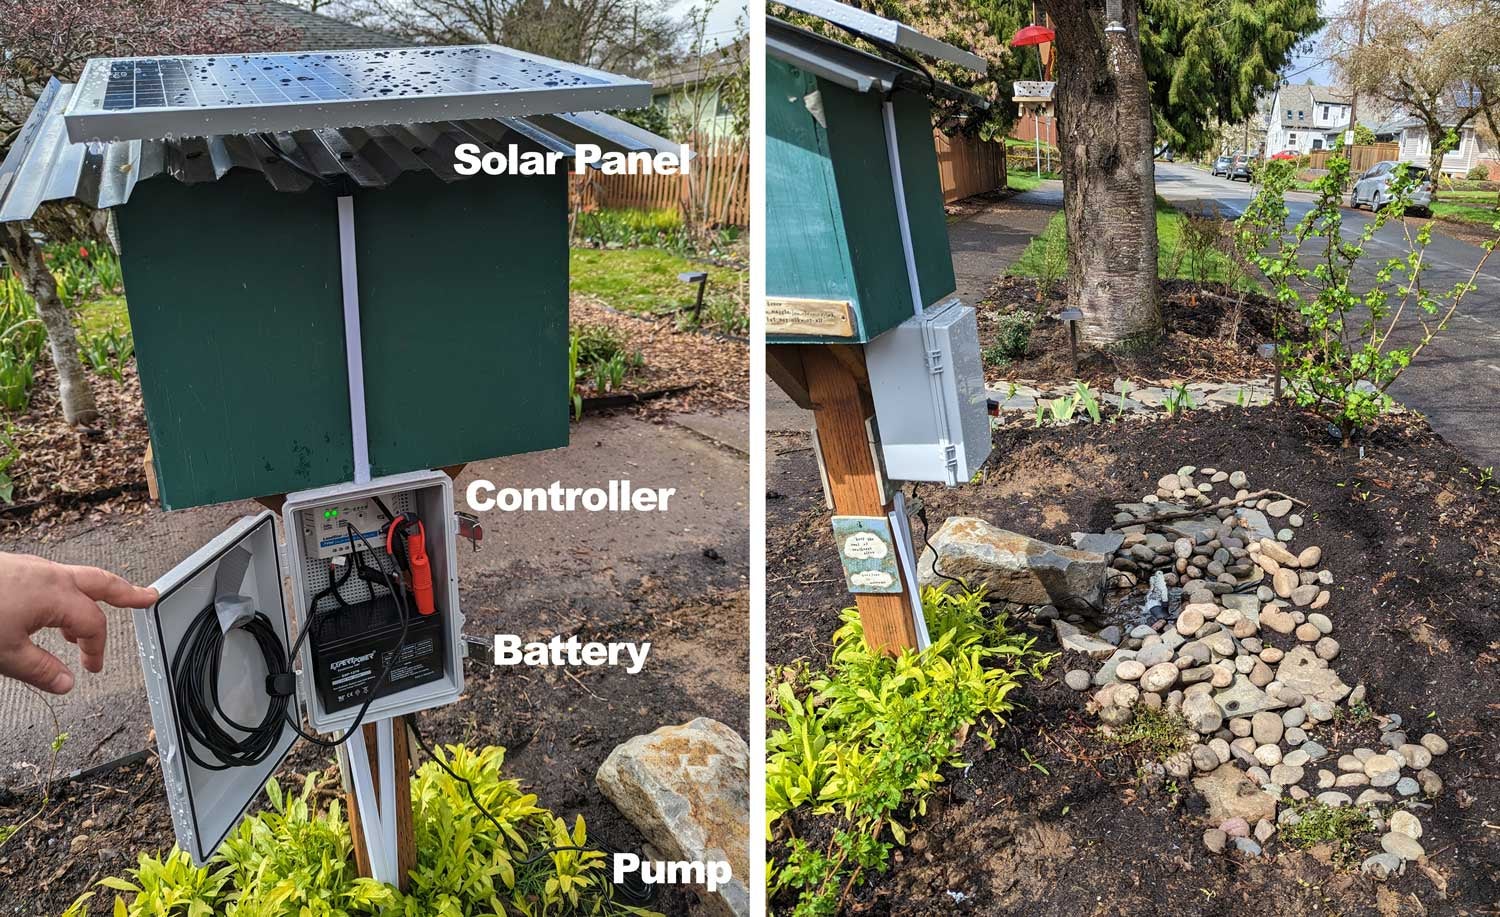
(1360, 157)
(718, 188)
(719, 185)
(968, 165)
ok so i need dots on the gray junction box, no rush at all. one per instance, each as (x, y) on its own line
(931, 406)
(240, 577)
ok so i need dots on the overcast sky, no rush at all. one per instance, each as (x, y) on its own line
(724, 18)
(1313, 63)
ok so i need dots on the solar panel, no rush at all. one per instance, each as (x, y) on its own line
(887, 30)
(171, 97)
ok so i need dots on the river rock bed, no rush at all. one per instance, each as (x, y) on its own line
(1235, 648)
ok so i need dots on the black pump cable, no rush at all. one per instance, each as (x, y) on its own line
(195, 691)
(922, 515)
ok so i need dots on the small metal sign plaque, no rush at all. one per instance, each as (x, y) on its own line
(825, 317)
(868, 552)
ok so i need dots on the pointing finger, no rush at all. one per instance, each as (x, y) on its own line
(104, 586)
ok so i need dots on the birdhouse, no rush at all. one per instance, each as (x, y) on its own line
(317, 295)
(856, 237)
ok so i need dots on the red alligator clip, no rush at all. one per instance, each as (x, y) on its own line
(416, 558)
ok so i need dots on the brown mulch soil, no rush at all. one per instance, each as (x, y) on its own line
(975, 203)
(557, 727)
(714, 368)
(65, 474)
(1409, 532)
(1195, 348)
(1462, 230)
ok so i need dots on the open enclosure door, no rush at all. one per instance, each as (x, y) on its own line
(209, 601)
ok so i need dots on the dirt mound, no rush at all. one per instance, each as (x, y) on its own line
(1408, 527)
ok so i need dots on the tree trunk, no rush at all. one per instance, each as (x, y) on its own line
(1435, 135)
(24, 256)
(1109, 183)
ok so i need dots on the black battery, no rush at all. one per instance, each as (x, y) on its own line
(350, 644)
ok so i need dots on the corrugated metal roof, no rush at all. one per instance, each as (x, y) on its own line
(852, 68)
(43, 165)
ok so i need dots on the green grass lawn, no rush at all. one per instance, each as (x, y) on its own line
(1027, 146)
(1475, 207)
(107, 313)
(1482, 198)
(1051, 246)
(645, 280)
(1017, 180)
(1445, 208)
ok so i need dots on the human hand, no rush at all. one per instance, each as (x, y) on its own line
(36, 593)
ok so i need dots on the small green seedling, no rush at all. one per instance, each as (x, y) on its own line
(1088, 399)
(1179, 400)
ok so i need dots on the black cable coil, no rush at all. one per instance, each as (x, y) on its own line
(195, 687)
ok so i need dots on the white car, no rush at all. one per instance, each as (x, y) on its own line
(1373, 188)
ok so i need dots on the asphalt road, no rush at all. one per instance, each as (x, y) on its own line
(1455, 381)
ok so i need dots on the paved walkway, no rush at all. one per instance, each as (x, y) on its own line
(106, 715)
(986, 243)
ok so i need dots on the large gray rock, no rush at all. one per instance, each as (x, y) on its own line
(1098, 542)
(687, 789)
(1072, 637)
(1256, 522)
(1014, 567)
(1230, 794)
(1311, 676)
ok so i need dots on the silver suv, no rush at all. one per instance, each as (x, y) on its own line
(1374, 189)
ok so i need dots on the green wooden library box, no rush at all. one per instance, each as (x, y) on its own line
(317, 293)
(236, 304)
(836, 263)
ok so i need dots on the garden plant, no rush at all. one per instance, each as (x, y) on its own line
(296, 857)
(1366, 318)
(863, 746)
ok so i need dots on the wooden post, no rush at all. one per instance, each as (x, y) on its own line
(406, 844)
(837, 389)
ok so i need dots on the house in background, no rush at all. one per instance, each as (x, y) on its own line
(1249, 136)
(1415, 146)
(1306, 118)
(690, 93)
(315, 31)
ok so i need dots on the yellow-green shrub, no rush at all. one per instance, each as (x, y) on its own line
(297, 858)
(866, 742)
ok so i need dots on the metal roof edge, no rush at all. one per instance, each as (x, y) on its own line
(890, 31)
(20, 154)
(853, 68)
